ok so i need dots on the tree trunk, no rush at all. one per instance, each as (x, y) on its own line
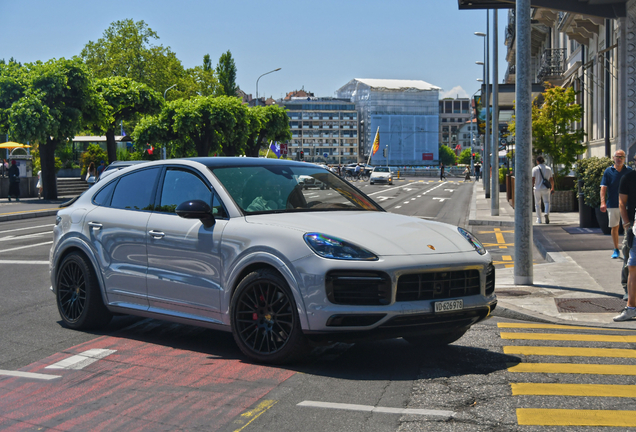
(47, 162)
(111, 145)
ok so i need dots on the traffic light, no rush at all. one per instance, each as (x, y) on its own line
(302, 155)
(473, 157)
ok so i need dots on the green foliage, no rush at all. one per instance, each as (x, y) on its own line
(266, 123)
(200, 81)
(447, 156)
(465, 157)
(94, 153)
(123, 155)
(553, 130)
(502, 174)
(590, 171)
(226, 73)
(126, 49)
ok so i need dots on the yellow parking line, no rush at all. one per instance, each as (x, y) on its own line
(553, 326)
(592, 390)
(30, 211)
(565, 417)
(253, 414)
(570, 352)
(569, 337)
(574, 368)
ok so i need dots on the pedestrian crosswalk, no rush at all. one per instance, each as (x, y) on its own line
(607, 364)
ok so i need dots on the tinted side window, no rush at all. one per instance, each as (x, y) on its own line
(102, 198)
(134, 191)
(180, 186)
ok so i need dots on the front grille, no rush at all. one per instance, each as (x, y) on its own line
(358, 288)
(438, 285)
(490, 279)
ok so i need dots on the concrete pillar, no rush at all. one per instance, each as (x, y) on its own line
(523, 150)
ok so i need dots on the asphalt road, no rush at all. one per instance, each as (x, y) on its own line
(155, 375)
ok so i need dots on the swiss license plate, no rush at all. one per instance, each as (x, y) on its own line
(449, 305)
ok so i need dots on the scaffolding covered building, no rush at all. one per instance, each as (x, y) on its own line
(407, 115)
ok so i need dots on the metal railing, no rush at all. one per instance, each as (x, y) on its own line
(552, 64)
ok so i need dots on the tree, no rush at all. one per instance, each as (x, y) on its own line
(126, 99)
(58, 100)
(201, 125)
(200, 81)
(553, 129)
(126, 49)
(465, 157)
(226, 72)
(447, 155)
(267, 123)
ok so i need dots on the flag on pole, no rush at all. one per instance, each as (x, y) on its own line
(376, 141)
(275, 147)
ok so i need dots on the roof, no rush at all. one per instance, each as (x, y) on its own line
(222, 162)
(394, 84)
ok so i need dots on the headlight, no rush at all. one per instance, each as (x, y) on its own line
(335, 248)
(473, 241)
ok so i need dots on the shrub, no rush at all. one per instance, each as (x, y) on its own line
(590, 171)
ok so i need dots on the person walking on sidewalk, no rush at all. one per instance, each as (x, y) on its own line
(609, 195)
(543, 184)
(627, 206)
(477, 171)
(442, 176)
(14, 181)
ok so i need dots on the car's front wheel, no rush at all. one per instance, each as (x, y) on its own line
(265, 321)
(437, 339)
(79, 299)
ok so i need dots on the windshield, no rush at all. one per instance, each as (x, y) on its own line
(381, 169)
(284, 189)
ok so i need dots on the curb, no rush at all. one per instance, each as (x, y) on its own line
(28, 215)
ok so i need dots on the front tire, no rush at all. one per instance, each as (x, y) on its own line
(79, 299)
(265, 321)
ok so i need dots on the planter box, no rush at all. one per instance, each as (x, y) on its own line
(563, 201)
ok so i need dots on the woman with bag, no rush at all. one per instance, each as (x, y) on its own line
(543, 183)
(90, 174)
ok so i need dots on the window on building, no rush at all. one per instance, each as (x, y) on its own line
(457, 107)
(464, 107)
(448, 106)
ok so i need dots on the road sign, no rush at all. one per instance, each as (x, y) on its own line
(283, 148)
(325, 155)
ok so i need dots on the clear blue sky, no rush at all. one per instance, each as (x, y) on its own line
(320, 45)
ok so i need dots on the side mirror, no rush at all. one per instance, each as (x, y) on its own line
(196, 209)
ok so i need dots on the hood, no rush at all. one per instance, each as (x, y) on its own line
(383, 233)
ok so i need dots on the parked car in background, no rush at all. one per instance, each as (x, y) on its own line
(237, 244)
(116, 166)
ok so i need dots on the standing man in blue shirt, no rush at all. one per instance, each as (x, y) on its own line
(609, 195)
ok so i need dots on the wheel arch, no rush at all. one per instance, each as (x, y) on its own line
(77, 245)
(264, 260)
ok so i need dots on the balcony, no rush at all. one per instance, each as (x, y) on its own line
(552, 65)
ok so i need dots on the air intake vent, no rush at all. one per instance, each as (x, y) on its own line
(438, 285)
(358, 288)
(490, 279)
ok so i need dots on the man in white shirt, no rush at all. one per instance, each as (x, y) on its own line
(541, 190)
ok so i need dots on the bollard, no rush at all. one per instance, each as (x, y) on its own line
(398, 174)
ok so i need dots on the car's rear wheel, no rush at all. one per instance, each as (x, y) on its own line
(265, 321)
(439, 339)
(79, 299)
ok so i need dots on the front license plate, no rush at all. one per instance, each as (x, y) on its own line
(450, 305)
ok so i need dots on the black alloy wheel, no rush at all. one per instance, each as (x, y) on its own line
(78, 296)
(265, 321)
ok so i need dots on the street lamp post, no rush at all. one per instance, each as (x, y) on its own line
(163, 150)
(166, 91)
(275, 70)
(486, 154)
(494, 194)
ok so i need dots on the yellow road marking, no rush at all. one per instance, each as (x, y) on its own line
(570, 352)
(553, 326)
(253, 414)
(565, 417)
(30, 211)
(569, 337)
(506, 257)
(496, 230)
(501, 245)
(593, 390)
(574, 368)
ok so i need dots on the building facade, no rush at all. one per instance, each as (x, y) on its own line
(453, 114)
(324, 129)
(405, 113)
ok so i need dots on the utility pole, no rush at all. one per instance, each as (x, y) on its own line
(487, 83)
(494, 195)
(523, 148)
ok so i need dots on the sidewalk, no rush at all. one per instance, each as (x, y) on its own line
(579, 283)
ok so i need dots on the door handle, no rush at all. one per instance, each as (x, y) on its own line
(156, 234)
(95, 225)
